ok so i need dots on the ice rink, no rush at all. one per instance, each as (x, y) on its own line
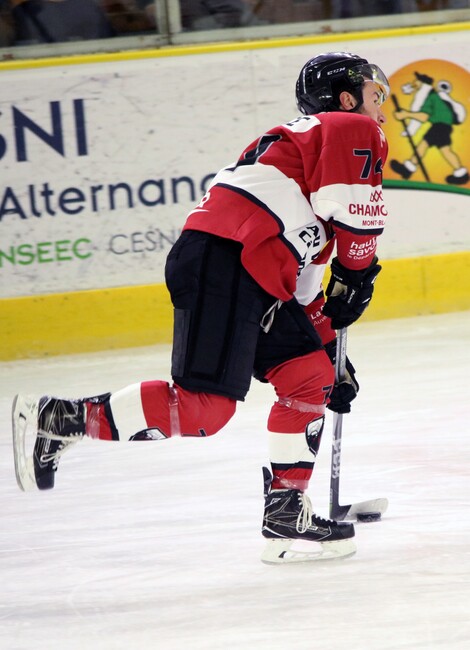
(156, 545)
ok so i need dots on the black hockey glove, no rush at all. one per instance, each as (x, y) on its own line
(346, 390)
(349, 292)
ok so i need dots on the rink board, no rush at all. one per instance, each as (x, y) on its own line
(87, 321)
(100, 171)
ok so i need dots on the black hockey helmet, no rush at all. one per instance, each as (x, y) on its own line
(326, 76)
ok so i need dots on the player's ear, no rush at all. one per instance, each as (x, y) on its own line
(347, 101)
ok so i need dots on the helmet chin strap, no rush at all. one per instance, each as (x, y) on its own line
(356, 108)
(359, 99)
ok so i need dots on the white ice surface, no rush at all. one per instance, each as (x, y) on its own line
(155, 546)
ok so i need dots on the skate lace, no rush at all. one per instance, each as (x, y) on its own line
(305, 518)
(54, 456)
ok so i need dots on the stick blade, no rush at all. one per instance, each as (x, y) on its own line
(350, 512)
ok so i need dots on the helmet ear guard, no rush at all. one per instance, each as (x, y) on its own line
(326, 76)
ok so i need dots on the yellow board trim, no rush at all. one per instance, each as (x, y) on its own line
(231, 46)
(103, 319)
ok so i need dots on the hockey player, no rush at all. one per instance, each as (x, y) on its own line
(245, 281)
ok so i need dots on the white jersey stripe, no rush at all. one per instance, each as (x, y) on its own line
(281, 194)
(361, 207)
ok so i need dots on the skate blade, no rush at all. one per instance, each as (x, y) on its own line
(24, 420)
(280, 551)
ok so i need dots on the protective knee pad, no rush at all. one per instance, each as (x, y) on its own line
(203, 414)
(302, 386)
(180, 412)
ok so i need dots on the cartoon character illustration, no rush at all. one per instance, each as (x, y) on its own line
(434, 105)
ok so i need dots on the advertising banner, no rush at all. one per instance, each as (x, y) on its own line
(102, 161)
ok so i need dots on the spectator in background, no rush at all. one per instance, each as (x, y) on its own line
(7, 32)
(435, 5)
(216, 14)
(56, 21)
(355, 8)
(130, 16)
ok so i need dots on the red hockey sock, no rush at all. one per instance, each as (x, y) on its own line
(154, 410)
(296, 419)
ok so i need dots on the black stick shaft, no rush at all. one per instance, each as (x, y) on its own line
(340, 371)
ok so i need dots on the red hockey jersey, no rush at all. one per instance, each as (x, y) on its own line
(295, 188)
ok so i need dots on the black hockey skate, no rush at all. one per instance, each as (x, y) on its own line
(57, 424)
(288, 519)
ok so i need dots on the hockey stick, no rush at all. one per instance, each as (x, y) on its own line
(337, 511)
(410, 139)
(373, 509)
